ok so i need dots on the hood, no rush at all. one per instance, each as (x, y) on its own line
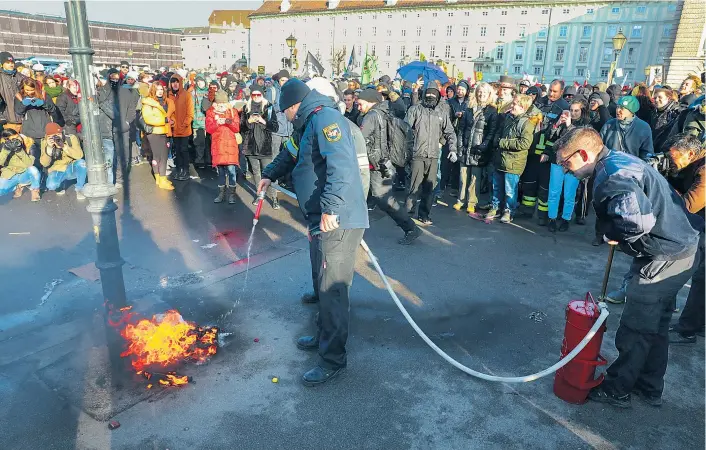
(382, 107)
(181, 84)
(196, 86)
(312, 101)
(613, 92)
(465, 84)
(434, 89)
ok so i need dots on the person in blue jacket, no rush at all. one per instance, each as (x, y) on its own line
(627, 132)
(324, 170)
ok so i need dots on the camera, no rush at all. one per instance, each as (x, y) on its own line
(58, 141)
(660, 162)
(13, 145)
(255, 109)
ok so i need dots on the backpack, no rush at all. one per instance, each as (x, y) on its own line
(400, 141)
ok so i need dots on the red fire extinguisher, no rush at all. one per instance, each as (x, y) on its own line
(573, 381)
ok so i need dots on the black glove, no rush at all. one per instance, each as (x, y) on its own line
(386, 168)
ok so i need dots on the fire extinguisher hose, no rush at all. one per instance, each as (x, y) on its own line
(535, 376)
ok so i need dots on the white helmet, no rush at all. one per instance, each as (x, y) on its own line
(38, 67)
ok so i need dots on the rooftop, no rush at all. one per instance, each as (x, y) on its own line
(196, 30)
(236, 16)
(47, 17)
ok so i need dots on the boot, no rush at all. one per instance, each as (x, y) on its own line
(35, 195)
(231, 195)
(458, 206)
(156, 178)
(471, 209)
(165, 184)
(552, 225)
(221, 195)
(18, 191)
(542, 221)
(563, 225)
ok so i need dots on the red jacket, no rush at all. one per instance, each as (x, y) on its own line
(224, 148)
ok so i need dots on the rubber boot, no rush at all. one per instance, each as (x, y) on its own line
(231, 195)
(165, 184)
(221, 194)
(156, 178)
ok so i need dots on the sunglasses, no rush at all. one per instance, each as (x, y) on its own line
(124, 67)
(256, 94)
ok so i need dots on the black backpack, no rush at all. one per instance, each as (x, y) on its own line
(400, 141)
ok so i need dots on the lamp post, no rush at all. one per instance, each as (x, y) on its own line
(155, 46)
(291, 43)
(619, 41)
(647, 74)
(130, 53)
(98, 191)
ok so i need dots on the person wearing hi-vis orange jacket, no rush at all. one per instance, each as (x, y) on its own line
(535, 178)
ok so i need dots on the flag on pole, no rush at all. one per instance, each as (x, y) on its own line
(311, 64)
(352, 61)
(370, 68)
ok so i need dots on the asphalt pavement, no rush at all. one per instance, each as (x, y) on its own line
(492, 296)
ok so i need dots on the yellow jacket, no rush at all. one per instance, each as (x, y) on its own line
(18, 163)
(72, 152)
(155, 116)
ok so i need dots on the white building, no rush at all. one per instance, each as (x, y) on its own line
(563, 39)
(218, 46)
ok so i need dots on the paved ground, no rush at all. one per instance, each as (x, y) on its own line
(492, 296)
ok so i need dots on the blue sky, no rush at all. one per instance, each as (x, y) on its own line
(156, 13)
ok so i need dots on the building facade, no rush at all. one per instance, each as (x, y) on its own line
(689, 49)
(570, 40)
(27, 35)
(220, 45)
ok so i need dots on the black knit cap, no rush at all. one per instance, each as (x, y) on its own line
(283, 73)
(255, 88)
(293, 92)
(370, 95)
(5, 57)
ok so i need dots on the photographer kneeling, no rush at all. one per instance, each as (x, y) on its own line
(63, 158)
(17, 165)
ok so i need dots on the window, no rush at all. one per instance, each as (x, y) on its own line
(672, 8)
(485, 13)
(416, 51)
(449, 30)
(630, 58)
(545, 12)
(557, 71)
(587, 29)
(498, 68)
(330, 33)
(404, 33)
(519, 51)
(580, 72)
(566, 11)
(583, 54)
(432, 51)
(465, 31)
(404, 16)
(667, 30)
(523, 12)
(481, 51)
(402, 49)
(516, 69)
(389, 33)
(483, 31)
(542, 33)
(387, 50)
(636, 31)
(345, 32)
(224, 54)
(375, 31)
(563, 31)
(537, 70)
(615, 10)
(604, 73)
(589, 10)
(447, 52)
(539, 53)
(608, 54)
(463, 52)
(500, 52)
(503, 13)
(502, 31)
(523, 31)
(467, 13)
(451, 14)
(372, 50)
(375, 16)
(434, 15)
(419, 31)
(433, 32)
(360, 31)
(612, 30)
(641, 9)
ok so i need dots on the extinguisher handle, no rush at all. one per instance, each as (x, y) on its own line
(590, 297)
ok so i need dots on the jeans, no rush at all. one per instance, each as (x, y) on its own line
(424, 176)
(570, 184)
(109, 155)
(505, 187)
(228, 172)
(76, 170)
(257, 164)
(381, 193)
(30, 176)
(332, 267)
(470, 184)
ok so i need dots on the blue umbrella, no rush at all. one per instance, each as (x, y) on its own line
(428, 71)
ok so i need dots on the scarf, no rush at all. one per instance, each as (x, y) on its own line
(53, 92)
(625, 123)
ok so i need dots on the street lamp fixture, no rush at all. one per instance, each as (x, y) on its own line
(155, 46)
(619, 41)
(291, 43)
(130, 53)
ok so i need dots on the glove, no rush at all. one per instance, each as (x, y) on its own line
(386, 168)
(26, 101)
(453, 157)
(37, 102)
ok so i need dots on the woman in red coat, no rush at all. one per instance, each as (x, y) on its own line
(222, 123)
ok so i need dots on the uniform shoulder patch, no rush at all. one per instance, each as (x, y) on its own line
(332, 133)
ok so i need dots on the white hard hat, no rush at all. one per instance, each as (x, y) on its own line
(38, 67)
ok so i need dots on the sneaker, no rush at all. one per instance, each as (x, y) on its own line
(599, 394)
(563, 225)
(492, 214)
(425, 221)
(275, 204)
(552, 226)
(435, 202)
(678, 337)
(410, 236)
(651, 399)
(458, 206)
(136, 161)
(60, 192)
(80, 196)
(471, 210)
(507, 217)
(616, 297)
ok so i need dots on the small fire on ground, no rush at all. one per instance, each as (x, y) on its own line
(155, 345)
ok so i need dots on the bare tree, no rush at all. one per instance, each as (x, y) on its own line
(338, 61)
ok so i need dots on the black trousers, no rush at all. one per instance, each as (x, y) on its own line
(642, 338)
(422, 184)
(200, 154)
(332, 268)
(121, 141)
(381, 193)
(692, 317)
(534, 185)
(449, 171)
(181, 152)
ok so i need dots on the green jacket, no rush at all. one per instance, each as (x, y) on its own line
(199, 122)
(515, 141)
(16, 163)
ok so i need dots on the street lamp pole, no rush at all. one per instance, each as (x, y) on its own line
(291, 43)
(98, 191)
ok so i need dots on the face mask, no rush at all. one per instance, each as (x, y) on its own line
(114, 83)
